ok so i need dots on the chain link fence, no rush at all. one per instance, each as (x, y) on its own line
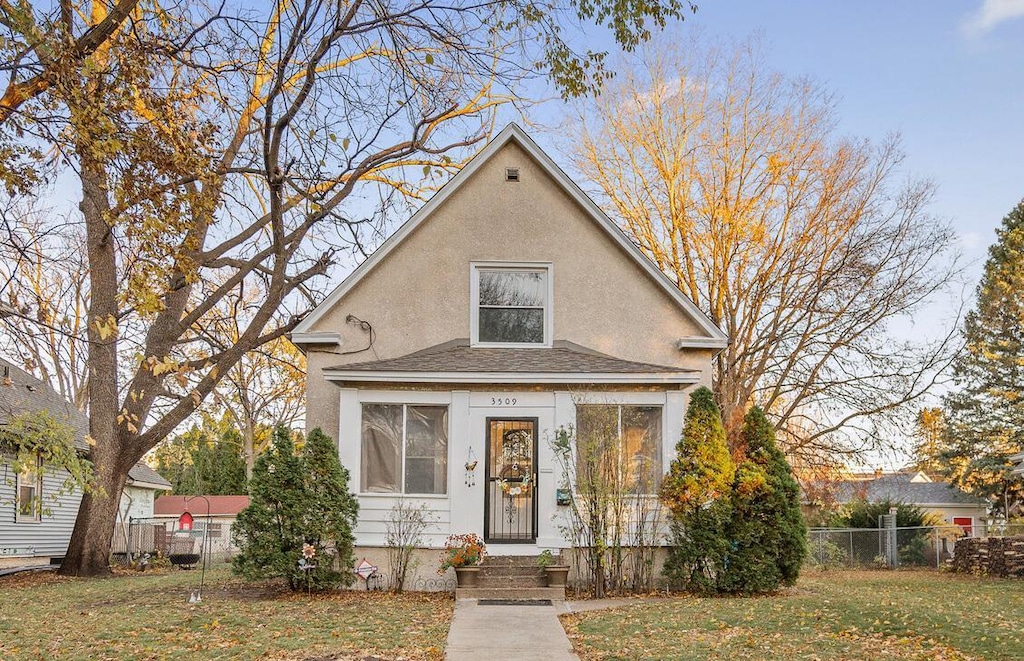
(162, 537)
(890, 546)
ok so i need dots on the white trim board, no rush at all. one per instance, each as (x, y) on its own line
(501, 378)
(513, 132)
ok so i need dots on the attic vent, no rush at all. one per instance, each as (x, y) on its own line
(511, 174)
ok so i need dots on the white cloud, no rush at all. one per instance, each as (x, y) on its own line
(971, 240)
(992, 13)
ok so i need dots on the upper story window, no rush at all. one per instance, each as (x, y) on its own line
(511, 304)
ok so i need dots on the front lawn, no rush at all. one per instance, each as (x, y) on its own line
(147, 616)
(841, 615)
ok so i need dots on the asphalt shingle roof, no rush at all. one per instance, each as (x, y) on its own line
(899, 488)
(458, 356)
(20, 391)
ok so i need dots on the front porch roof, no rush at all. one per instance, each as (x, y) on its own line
(457, 362)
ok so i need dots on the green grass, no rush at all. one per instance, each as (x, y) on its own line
(147, 616)
(848, 615)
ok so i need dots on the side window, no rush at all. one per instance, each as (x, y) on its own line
(29, 489)
(620, 440)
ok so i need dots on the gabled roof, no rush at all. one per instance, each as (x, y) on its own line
(141, 475)
(20, 391)
(200, 505)
(904, 488)
(716, 338)
(564, 362)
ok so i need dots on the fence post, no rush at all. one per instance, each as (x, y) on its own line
(891, 545)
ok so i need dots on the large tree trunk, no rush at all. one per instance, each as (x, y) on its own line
(89, 550)
(248, 437)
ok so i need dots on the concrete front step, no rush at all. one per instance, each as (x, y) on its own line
(514, 570)
(510, 561)
(554, 594)
(512, 581)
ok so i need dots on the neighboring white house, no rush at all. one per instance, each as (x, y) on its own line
(942, 499)
(35, 523)
(446, 363)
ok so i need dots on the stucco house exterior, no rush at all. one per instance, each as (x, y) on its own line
(35, 522)
(504, 310)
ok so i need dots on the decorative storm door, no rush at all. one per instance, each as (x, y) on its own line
(510, 507)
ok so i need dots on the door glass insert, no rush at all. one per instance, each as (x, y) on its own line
(511, 507)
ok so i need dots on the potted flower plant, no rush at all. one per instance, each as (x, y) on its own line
(463, 553)
(557, 573)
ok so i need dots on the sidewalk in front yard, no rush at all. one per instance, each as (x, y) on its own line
(522, 633)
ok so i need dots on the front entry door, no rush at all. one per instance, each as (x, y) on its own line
(510, 506)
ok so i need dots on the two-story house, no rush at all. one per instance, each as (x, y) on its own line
(447, 361)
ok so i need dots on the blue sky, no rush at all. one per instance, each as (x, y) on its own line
(947, 75)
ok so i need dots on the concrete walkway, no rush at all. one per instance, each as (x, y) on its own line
(525, 633)
(520, 633)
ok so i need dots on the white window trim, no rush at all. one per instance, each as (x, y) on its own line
(474, 302)
(405, 404)
(37, 514)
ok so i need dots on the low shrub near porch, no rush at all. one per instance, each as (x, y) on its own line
(147, 616)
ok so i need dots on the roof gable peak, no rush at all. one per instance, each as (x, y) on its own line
(304, 334)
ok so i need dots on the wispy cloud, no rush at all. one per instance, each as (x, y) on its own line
(971, 240)
(992, 13)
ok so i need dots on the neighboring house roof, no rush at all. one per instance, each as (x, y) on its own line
(197, 505)
(20, 392)
(715, 337)
(456, 361)
(904, 488)
(144, 477)
(1019, 460)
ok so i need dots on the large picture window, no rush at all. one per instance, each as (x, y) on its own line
(512, 305)
(29, 496)
(622, 442)
(405, 449)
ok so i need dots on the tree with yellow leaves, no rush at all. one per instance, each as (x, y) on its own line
(799, 243)
(215, 150)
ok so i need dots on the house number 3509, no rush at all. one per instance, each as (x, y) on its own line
(503, 401)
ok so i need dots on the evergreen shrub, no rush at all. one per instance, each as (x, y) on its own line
(296, 503)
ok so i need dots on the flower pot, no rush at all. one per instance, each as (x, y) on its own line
(467, 576)
(557, 574)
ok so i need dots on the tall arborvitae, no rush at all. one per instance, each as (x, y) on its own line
(696, 493)
(296, 502)
(767, 533)
(986, 413)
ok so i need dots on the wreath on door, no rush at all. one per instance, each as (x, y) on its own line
(516, 457)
